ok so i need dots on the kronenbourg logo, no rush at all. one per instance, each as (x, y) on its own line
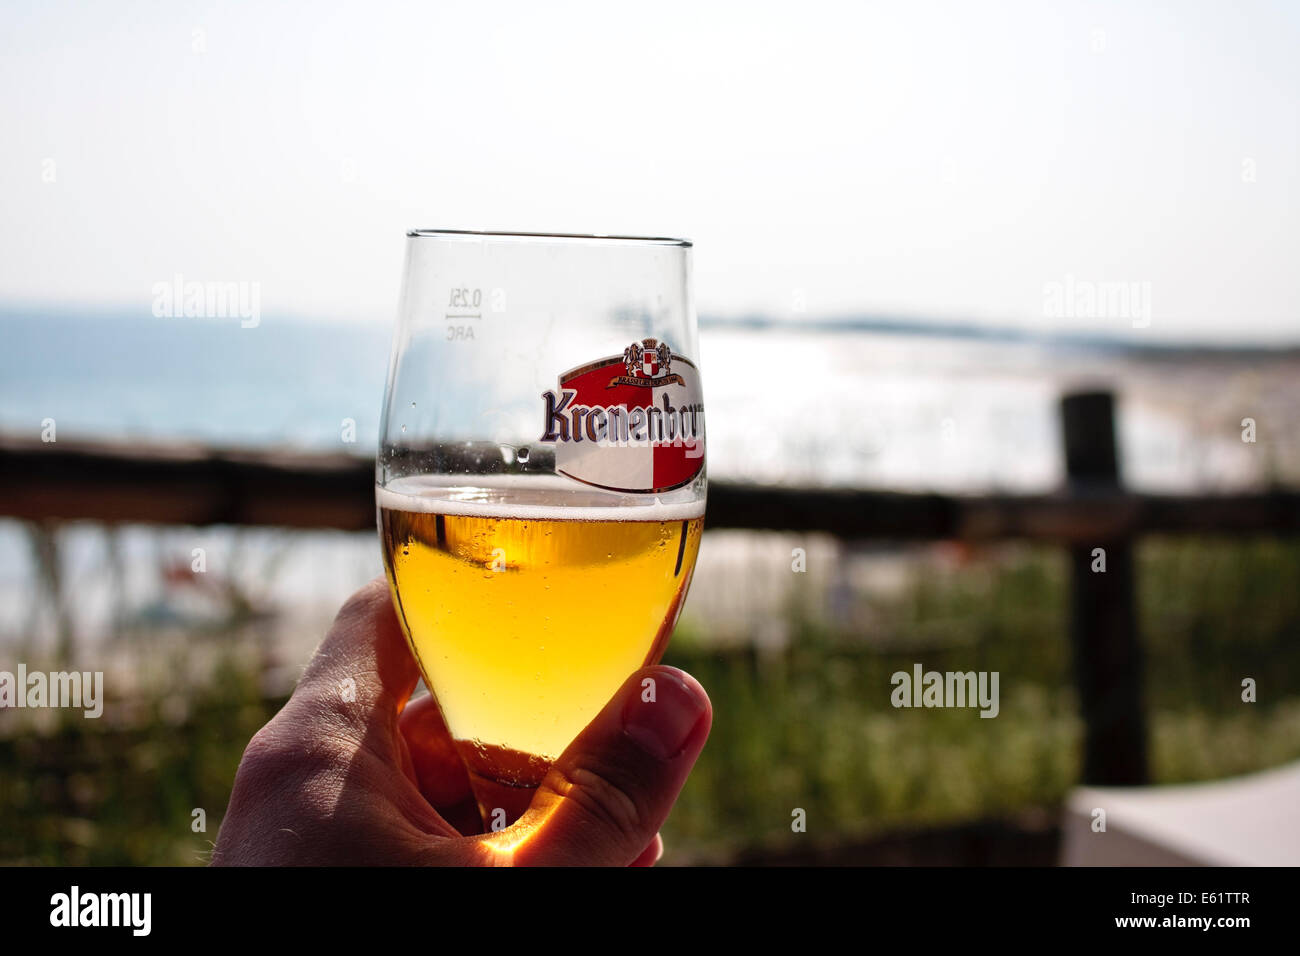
(630, 422)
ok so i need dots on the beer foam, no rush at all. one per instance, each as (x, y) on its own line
(539, 497)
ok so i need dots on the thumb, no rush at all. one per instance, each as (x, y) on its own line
(604, 799)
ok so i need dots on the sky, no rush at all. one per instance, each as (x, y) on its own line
(955, 161)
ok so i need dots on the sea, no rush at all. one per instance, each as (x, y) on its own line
(854, 401)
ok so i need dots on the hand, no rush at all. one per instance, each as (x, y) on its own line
(372, 781)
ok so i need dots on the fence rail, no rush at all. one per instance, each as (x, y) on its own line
(184, 485)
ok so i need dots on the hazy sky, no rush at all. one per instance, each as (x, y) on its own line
(947, 160)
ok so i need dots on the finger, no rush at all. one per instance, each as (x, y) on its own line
(362, 674)
(439, 772)
(651, 854)
(604, 799)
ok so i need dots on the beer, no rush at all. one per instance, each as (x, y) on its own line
(527, 605)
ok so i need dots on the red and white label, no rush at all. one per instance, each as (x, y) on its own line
(633, 422)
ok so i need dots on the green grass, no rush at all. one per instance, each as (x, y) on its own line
(809, 728)
(816, 731)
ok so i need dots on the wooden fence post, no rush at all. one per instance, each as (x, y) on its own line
(1103, 616)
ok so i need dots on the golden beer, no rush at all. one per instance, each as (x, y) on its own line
(527, 612)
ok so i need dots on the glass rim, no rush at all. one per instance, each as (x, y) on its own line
(577, 236)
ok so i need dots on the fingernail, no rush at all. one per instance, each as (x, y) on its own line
(661, 725)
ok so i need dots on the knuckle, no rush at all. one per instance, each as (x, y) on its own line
(363, 602)
(286, 743)
(267, 755)
(264, 748)
(597, 793)
(276, 767)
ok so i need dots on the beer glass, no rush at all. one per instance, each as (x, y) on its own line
(540, 482)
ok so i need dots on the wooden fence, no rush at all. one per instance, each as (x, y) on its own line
(182, 485)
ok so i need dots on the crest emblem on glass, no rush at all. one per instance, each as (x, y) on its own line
(540, 482)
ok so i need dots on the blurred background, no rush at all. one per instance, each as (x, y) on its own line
(937, 219)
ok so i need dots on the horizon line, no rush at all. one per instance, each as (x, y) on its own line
(886, 323)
